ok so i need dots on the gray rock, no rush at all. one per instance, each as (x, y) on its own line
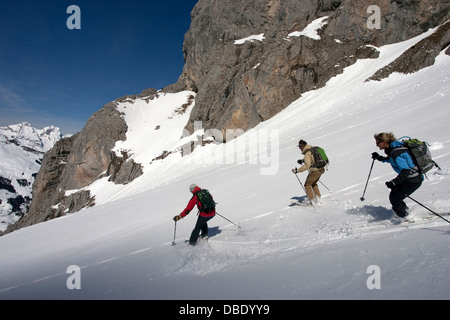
(239, 86)
(74, 163)
(45, 186)
(421, 55)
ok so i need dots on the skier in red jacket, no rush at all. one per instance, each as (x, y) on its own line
(203, 217)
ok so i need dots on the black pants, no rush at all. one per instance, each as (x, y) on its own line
(201, 225)
(398, 194)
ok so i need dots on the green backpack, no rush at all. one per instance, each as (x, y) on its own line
(320, 157)
(207, 202)
(421, 154)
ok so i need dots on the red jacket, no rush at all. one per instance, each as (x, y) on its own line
(194, 201)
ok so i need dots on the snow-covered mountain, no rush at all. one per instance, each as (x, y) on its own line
(21, 150)
(342, 249)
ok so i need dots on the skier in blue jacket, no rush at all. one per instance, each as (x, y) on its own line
(408, 179)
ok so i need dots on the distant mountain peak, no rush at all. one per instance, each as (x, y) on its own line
(25, 135)
(22, 148)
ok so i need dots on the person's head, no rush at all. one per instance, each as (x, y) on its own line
(384, 139)
(192, 187)
(301, 144)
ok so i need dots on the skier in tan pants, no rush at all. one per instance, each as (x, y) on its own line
(311, 187)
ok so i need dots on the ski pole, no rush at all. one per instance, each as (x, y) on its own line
(427, 208)
(325, 187)
(370, 172)
(305, 191)
(174, 234)
(228, 220)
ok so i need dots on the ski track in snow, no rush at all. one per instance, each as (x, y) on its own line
(230, 247)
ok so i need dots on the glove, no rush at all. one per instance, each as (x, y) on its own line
(294, 170)
(390, 184)
(176, 218)
(376, 156)
(300, 161)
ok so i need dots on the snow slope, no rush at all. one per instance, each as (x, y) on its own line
(122, 246)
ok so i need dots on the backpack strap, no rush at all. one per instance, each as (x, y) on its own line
(312, 156)
(398, 151)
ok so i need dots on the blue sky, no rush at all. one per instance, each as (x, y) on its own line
(51, 75)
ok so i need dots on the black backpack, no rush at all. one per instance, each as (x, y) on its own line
(320, 158)
(207, 202)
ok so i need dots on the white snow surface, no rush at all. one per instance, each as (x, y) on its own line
(311, 29)
(257, 37)
(123, 244)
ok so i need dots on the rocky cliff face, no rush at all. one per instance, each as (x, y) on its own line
(246, 61)
(240, 84)
(76, 162)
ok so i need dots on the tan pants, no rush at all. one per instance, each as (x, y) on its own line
(311, 187)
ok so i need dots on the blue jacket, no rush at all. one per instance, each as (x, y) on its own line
(401, 162)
